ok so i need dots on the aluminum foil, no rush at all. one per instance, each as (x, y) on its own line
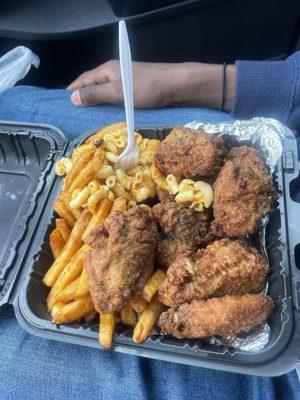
(266, 136)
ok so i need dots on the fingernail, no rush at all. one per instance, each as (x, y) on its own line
(75, 98)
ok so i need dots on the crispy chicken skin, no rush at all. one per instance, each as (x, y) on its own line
(223, 316)
(243, 194)
(164, 196)
(224, 267)
(121, 259)
(181, 230)
(190, 153)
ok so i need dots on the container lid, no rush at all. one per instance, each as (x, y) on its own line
(27, 157)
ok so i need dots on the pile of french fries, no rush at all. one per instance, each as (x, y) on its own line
(93, 189)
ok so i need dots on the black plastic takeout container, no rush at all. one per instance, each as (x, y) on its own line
(28, 186)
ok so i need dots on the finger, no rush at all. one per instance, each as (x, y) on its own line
(110, 93)
(85, 79)
(89, 78)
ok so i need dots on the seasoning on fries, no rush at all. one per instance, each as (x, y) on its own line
(69, 292)
(153, 284)
(139, 304)
(147, 321)
(57, 242)
(69, 274)
(72, 245)
(63, 228)
(128, 316)
(73, 311)
(83, 285)
(106, 329)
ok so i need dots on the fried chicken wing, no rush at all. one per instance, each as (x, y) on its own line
(121, 259)
(190, 153)
(243, 194)
(181, 230)
(223, 316)
(224, 267)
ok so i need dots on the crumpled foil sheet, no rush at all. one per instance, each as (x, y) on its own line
(265, 135)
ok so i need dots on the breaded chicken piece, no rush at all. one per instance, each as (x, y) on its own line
(121, 259)
(164, 196)
(244, 194)
(222, 316)
(181, 230)
(224, 267)
(190, 153)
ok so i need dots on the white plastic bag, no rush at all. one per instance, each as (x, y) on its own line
(14, 66)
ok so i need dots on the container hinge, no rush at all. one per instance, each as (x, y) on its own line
(288, 161)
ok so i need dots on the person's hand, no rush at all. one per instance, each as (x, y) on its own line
(153, 85)
(156, 85)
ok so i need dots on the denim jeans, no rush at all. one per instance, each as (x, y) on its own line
(35, 368)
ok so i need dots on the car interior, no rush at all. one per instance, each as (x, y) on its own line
(215, 279)
(81, 34)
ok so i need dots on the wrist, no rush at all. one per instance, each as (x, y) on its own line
(198, 84)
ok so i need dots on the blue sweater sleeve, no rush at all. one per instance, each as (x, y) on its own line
(269, 89)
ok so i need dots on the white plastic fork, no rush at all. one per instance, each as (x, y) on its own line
(129, 158)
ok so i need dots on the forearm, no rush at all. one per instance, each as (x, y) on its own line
(198, 84)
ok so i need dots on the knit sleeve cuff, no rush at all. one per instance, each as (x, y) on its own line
(264, 88)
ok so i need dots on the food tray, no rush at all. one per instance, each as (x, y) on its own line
(27, 257)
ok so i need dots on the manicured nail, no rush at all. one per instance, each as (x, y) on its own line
(75, 98)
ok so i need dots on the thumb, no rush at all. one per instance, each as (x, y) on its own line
(110, 93)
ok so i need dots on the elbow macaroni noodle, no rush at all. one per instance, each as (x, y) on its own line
(63, 166)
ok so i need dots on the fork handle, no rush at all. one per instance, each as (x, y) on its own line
(126, 74)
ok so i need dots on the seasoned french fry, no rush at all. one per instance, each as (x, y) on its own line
(68, 293)
(57, 243)
(153, 283)
(83, 285)
(90, 316)
(96, 138)
(101, 213)
(106, 329)
(89, 171)
(128, 316)
(139, 304)
(73, 311)
(72, 246)
(66, 197)
(62, 210)
(57, 306)
(119, 204)
(99, 135)
(63, 228)
(68, 275)
(81, 157)
(147, 321)
(79, 151)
